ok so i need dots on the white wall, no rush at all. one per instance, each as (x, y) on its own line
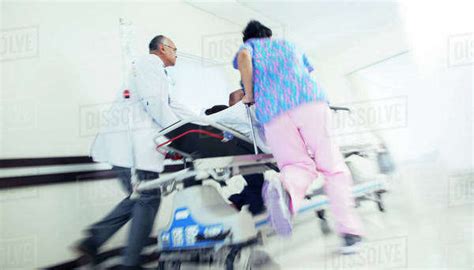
(76, 64)
(201, 85)
(438, 93)
(332, 69)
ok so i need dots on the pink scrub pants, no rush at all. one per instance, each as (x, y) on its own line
(292, 136)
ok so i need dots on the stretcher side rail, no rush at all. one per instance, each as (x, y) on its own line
(213, 167)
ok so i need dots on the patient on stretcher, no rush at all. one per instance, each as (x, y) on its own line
(235, 118)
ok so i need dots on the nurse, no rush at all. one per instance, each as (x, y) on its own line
(296, 118)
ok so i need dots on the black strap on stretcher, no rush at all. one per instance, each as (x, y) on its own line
(201, 145)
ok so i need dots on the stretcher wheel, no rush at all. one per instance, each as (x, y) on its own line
(169, 265)
(356, 203)
(243, 260)
(380, 203)
(325, 229)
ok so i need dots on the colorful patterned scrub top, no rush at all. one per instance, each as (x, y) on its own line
(281, 79)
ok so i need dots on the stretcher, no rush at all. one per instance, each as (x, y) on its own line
(202, 225)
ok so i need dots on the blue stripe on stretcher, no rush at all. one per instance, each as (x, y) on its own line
(356, 192)
(185, 233)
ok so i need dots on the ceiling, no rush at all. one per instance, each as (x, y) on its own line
(321, 28)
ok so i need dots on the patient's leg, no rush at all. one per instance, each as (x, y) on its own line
(251, 194)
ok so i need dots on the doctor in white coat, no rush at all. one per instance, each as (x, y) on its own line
(148, 109)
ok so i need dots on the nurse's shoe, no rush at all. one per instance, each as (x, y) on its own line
(277, 202)
(351, 245)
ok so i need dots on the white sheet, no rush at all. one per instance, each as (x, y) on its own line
(235, 117)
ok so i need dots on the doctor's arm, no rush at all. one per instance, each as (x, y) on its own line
(152, 90)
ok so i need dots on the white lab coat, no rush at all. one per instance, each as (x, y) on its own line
(149, 108)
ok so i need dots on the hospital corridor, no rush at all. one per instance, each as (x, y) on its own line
(187, 134)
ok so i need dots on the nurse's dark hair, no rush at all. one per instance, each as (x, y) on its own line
(155, 42)
(255, 29)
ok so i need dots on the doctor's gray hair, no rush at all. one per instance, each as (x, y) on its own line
(155, 42)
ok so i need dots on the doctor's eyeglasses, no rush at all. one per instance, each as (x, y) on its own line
(173, 48)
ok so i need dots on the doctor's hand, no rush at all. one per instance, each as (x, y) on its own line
(248, 100)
